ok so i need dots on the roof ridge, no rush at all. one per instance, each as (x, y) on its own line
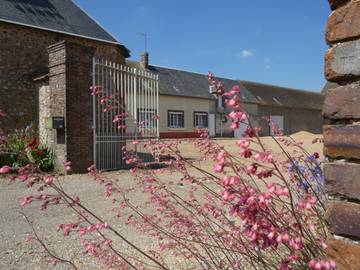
(61, 32)
(183, 70)
(237, 80)
(279, 86)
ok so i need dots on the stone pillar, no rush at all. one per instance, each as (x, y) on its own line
(70, 68)
(342, 136)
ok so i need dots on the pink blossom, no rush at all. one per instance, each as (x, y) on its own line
(243, 143)
(108, 242)
(108, 108)
(234, 125)
(49, 180)
(28, 238)
(233, 102)
(228, 196)
(251, 169)
(91, 249)
(95, 90)
(218, 168)
(68, 167)
(282, 191)
(5, 169)
(24, 177)
(26, 200)
(322, 264)
(235, 90)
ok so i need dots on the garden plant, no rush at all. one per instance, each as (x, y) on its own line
(257, 209)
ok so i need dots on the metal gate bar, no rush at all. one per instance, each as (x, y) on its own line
(131, 91)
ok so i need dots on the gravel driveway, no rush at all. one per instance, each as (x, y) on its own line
(14, 253)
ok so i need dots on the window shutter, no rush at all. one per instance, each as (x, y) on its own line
(168, 119)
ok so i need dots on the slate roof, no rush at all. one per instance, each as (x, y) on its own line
(176, 82)
(278, 96)
(62, 16)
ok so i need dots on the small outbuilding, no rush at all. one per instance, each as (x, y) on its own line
(291, 110)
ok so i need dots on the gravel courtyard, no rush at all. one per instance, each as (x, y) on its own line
(14, 253)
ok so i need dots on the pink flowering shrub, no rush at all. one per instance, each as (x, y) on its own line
(254, 209)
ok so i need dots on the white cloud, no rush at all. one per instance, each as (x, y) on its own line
(246, 53)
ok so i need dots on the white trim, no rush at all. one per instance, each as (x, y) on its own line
(61, 32)
(176, 129)
(178, 113)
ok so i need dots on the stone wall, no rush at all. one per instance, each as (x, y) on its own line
(23, 56)
(342, 135)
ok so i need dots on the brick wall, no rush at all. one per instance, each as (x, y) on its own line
(23, 56)
(342, 136)
(70, 68)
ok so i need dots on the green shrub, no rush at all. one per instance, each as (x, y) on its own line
(22, 147)
(43, 157)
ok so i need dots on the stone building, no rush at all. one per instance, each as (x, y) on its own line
(46, 50)
(27, 29)
(292, 110)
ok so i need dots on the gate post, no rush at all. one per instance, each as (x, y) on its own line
(70, 70)
(342, 136)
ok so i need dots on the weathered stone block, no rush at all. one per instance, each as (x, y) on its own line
(343, 61)
(334, 4)
(345, 253)
(344, 218)
(344, 23)
(343, 179)
(342, 102)
(342, 141)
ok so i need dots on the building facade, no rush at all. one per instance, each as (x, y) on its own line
(187, 105)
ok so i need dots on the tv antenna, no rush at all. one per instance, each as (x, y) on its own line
(145, 39)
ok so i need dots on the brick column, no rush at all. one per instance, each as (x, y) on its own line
(342, 136)
(70, 67)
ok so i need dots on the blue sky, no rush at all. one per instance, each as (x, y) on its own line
(278, 42)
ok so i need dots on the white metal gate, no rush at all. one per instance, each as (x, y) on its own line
(131, 92)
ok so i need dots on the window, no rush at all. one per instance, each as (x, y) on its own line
(146, 117)
(176, 119)
(200, 119)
